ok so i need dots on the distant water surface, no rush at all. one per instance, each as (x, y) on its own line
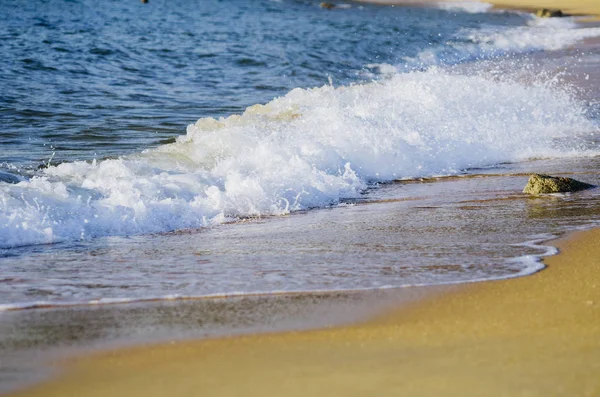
(84, 79)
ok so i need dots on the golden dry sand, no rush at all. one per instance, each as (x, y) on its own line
(532, 336)
(587, 7)
(583, 7)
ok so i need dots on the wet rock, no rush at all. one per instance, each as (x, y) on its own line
(328, 6)
(544, 184)
(549, 13)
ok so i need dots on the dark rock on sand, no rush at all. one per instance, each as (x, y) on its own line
(549, 13)
(543, 184)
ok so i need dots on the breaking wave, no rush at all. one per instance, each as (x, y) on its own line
(307, 149)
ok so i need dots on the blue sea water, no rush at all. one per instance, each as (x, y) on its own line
(126, 128)
(88, 80)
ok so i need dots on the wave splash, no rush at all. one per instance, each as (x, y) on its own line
(469, 6)
(307, 149)
(538, 34)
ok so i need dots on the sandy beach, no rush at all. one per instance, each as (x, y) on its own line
(586, 7)
(533, 336)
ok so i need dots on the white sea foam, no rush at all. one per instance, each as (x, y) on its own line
(538, 34)
(307, 149)
(379, 69)
(473, 7)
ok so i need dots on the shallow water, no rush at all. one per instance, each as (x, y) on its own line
(401, 93)
(427, 232)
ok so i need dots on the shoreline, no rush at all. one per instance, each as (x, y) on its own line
(534, 335)
(577, 8)
(70, 334)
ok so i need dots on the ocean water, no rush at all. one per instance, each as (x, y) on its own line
(229, 148)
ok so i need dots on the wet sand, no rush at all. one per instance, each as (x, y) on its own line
(533, 336)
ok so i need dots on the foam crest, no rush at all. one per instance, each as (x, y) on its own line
(474, 44)
(539, 34)
(472, 7)
(307, 149)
